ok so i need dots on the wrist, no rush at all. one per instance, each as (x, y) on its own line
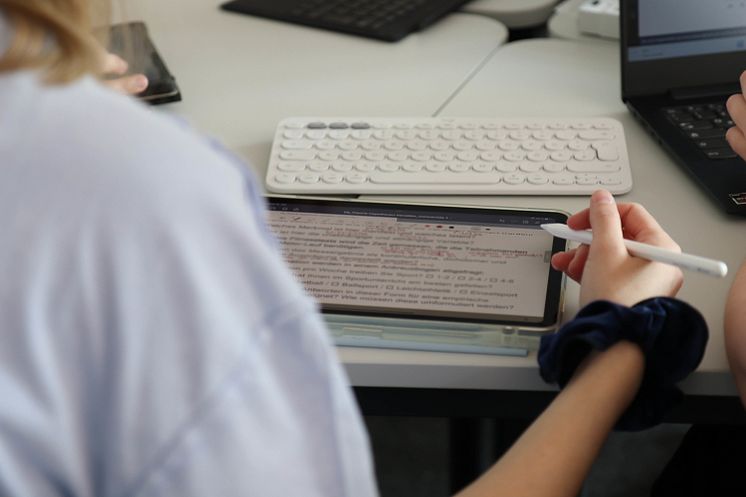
(617, 371)
(671, 335)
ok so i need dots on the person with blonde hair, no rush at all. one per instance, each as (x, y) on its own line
(153, 342)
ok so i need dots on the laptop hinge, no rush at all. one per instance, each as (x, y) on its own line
(704, 91)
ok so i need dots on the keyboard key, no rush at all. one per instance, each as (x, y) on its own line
(291, 167)
(706, 133)
(467, 156)
(308, 178)
(444, 178)
(356, 178)
(297, 155)
(713, 143)
(554, 167)
(293, 134)
(593, 167)
(296, 144)
(458, 167)
(285, 178)
(413, 167)
(342, 167)
(537, 156)
(332, 178)
(351, 156)
(606, 151)
(530, 167)
(507, 167)
(328, 155)
(483, 167)
(585, 155)
(596, 135)
(318, 166)
(537, 179)
(721, 153)
(577, 145)
(514, 179)
(375, 156)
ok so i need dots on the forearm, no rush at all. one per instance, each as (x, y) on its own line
(554, 455)
(735, 330)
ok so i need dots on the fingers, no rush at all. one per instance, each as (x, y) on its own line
(113, 64)
(641, 226)
(577, 265)
(606, 224)
(130, 85)
(637, 224)
(737, 141)
(736, 105)
(571, 262)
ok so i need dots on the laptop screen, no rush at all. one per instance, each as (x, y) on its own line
(682, 43)
(682, 28)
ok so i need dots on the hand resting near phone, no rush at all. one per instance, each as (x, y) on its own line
(113, 65)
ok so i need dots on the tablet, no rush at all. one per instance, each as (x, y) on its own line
(413, 263)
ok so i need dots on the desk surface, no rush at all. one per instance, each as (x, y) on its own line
(280, 70)
(568, 78)
(513, 13)
(240, 75)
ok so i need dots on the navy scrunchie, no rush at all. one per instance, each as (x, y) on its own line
(671, 333)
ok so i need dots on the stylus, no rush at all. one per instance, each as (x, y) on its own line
(644, 251)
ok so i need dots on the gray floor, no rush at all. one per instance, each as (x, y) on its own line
(412, 458)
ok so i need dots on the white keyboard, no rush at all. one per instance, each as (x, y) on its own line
(451, 156)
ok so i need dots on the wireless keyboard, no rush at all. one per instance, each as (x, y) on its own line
(388, 20)
(456, 156)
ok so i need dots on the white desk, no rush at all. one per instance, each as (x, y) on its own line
(513, 13)
(240, 75)
(566, 78)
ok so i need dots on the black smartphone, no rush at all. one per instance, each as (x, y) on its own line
(132, 42)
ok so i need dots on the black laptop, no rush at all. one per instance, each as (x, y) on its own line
(681, 60)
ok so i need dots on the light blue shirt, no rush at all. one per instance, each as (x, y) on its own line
(152, 341)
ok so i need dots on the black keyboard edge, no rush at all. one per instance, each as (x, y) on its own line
(391, 32)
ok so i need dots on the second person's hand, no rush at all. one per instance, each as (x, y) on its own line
(113, 65)
(736, 105)
(606, 270)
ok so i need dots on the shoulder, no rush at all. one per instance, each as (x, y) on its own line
(100, 133)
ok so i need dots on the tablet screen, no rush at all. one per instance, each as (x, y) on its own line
(421, 261)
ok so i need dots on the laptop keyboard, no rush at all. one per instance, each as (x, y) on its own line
(705, 125)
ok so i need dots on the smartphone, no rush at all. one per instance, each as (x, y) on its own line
(132, 42)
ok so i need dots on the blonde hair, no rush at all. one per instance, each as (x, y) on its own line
(55, 36)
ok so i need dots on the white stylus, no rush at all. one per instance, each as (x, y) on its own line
(644, 251)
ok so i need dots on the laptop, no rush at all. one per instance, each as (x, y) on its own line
(681, 60)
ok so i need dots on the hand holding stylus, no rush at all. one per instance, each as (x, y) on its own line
(606, 269)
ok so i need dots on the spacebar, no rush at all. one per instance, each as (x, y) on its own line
(434, 178)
